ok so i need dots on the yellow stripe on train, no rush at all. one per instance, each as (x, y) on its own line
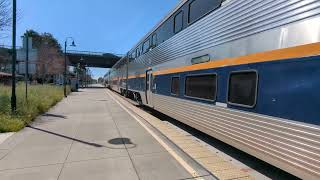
(275, 55)
(280, 54)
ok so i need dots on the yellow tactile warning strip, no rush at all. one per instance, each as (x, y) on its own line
(214, 163)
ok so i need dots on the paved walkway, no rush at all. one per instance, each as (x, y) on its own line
(86, 136)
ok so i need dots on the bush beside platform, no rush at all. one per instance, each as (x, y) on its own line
(40, 99)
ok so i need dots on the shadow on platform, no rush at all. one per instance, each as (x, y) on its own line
(94, 87)
(115, 141)
(54, 115)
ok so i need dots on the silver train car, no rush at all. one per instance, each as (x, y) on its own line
(246, 72)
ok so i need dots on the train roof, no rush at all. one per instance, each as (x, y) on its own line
(179, 4)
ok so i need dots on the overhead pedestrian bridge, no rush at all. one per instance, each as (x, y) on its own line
(93, 59)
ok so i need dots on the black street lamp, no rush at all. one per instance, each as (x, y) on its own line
(65, 64)
(14, 57)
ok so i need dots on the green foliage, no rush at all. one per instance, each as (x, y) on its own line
(44, 38)
(40, 99)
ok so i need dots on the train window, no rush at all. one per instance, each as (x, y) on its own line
(199, 8)
(138, 52)
(154, 40)
(175, 85)
(201, 86)
(130, 57)
(200, 59)
(243, 88)
(178, 22)
(146, 46)
(133, 55)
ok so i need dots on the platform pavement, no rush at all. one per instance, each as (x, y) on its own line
(86, 136)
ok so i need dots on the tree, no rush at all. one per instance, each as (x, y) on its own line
(50, 60)
(5, 16)
(100, 80)
(45, 38)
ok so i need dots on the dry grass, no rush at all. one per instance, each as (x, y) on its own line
(40, 99)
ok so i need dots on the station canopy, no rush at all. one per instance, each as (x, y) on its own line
(93, 59)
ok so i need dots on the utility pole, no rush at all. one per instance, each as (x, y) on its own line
(27, 64)
(14, 58)
(65, 70)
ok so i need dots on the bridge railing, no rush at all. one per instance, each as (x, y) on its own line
(92, 53)
(9, 47)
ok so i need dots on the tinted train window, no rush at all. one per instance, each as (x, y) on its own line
(175, 86)
(199, 8)
(203, 86)
(137, 52)
(154, 40)
(146, 46)
(178, 22)
(133, 55)
(166, 30)
(243, 88)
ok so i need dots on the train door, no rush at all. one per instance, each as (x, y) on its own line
(148, 90)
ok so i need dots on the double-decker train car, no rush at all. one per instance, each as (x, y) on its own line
(246, 72)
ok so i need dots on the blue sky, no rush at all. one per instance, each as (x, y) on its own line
(97, 25)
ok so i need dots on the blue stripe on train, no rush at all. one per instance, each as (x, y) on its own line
(287, 89)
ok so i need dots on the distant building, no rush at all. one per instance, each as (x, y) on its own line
(5, 58)
(45, 65)
(21, 58)
(6, 78)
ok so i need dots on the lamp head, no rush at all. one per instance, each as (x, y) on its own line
(73, 44)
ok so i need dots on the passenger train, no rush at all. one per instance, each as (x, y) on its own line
(246, 72)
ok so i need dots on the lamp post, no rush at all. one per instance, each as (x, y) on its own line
(14, 57)
(26, 64)
(65, 64)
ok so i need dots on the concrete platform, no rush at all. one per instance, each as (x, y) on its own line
(90, 136)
